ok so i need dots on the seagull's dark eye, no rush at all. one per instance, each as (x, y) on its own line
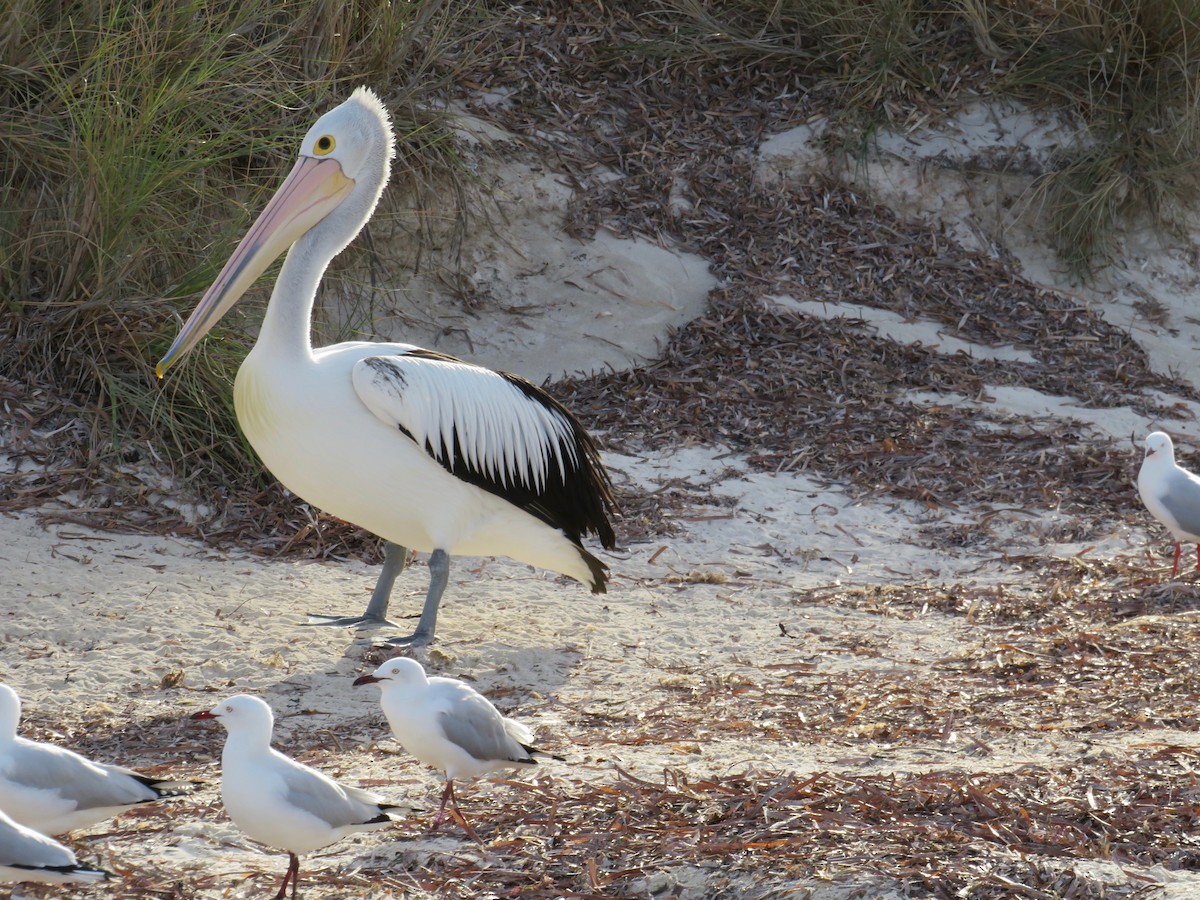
(325, 144)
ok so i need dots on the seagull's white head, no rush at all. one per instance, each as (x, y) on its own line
(241, 713)
(398, 672)
(1159, 447)
(344, 163)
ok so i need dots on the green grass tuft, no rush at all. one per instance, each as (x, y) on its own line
(138, 141)
(1125, 72)
(1128, 72)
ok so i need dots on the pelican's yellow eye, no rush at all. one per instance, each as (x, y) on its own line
(325, 144)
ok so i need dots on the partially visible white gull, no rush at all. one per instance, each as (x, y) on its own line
(447, 724)
(1171, 493)
(54, 790)
(280, 802)
(26, 855)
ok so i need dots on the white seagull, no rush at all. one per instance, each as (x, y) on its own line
(448, 725)
(427, 451)
(280, 802)
(1171, 493)
(54, 790)
(28, 855)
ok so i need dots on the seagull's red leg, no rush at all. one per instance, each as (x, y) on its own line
(457, 816)
(454, 812)
(1198, 557)
(287, 876)
(1178, 550)
(447, 794)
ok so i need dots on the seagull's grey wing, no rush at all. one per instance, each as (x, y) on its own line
(90, 785)
(25, 847)
(519, 732)
(158, 787)
(322, 797)
(478, 728)
(72, 777)
(371, 800)
(1180, 495)
(26, 855)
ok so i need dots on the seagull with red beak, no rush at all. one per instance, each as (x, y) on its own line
(1171, 493)
(280, 802)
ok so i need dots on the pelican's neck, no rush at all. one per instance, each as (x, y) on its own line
(287, 325)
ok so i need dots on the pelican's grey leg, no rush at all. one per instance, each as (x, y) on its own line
(439, 574)
(394, 558)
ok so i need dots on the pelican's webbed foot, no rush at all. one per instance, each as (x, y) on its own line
(375, 615)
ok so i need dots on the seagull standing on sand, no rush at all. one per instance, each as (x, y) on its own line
(427, 451)
(27, 855)
(447, 724)
(54, 790)
(280, 802)
(1171, 493)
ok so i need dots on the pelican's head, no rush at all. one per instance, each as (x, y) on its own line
(1159, 446)
(344, 163)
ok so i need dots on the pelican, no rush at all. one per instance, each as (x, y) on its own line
(427, 451)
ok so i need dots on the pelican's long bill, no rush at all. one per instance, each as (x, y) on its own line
(311, 191)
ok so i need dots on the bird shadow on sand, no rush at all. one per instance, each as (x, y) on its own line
(514, 678)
